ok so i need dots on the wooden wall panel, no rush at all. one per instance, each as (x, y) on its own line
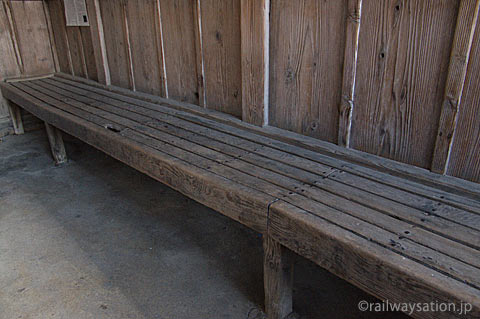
(403, 58)
(465, 153)
(32, 36)
(57, 19)
(178, 19)
(116, 42)
(145, 41)
(306, 59)
(221, 44)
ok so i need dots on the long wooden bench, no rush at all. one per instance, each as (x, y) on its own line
(398, 232)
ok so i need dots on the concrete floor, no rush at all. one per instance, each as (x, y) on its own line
(96, 239)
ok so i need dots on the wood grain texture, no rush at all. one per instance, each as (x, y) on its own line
(221, 44)
(147, 61)
(97, 42)
(57, 18)
(75, 45)
(354, 259)
(278, 279)
(178, 28)
(16, 117)
(306, 59)
(116, 42)
(464, 158)
(56, 144)
(32, 35)
(403, 57)
(349, 72)
(254, 35)
(462, 43)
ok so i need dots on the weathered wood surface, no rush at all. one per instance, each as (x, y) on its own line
(423, 225)
(355, 259)
(464, 158)
(278, 279)
(16, 118)
(410, 178)
(56, 144)
(221, 45)
(306, 58)
(403, 53)
(347, 102)
(145, 41)
(179, 28)
(462, 43)
(116, 42)
(255, 20)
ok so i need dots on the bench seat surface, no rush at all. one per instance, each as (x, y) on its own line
(395, 237)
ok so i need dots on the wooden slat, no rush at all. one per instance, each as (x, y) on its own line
(306, 59)
(441, 188)
(242, 204)
(116, 38)
(349, 71)
(221, 44)
(465, 159)
(308, 160)
(281, 181)
(178, 29)
(98, 42)
(255, 19)
(403, 52)
(147, 61)
(32, 36)
(462, 43)
(75, 45)
(355, 259)
(60, 35)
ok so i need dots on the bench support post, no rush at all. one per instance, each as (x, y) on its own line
(278, 279)
(56, 144)
(16, 118)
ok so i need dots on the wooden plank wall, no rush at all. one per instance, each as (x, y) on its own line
(24, 45)
(394, 78)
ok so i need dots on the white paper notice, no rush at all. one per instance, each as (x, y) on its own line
(76, 13)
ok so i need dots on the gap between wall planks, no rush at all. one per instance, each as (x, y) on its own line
(462, 44)
(346, 106)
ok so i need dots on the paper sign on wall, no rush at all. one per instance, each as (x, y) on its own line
(76, 13)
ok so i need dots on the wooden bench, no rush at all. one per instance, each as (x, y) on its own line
(398, 232)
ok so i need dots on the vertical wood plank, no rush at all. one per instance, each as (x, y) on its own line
(75, 45)
(178, 30)
(462, 43)
(221, 45)
(199, 54)
(53, 46)
(306, 59)
(403, 56)
(57, 18)
(147, 61)
(464, 158)
(278, 279)
(56, 144)
(88, 53)
(98, 42)
(113, 17)
(33, 38)
(255, 19)
(349, 71)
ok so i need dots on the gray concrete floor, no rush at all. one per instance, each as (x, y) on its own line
(97, 239)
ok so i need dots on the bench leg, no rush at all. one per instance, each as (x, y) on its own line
(56, 144)
(16, 118)
(278, 279)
